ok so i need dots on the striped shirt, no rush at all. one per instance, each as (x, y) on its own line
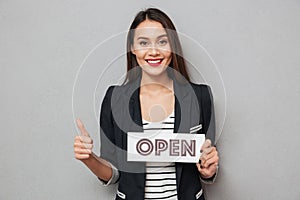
(160, 180)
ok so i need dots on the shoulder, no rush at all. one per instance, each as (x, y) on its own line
(114, 88)
(124, 88)
(118, 94)
(109, 91)
(203, 90)
(199, 86)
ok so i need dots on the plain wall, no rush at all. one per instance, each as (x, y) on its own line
(58, 57)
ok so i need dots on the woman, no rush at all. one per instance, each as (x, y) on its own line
(156, 92)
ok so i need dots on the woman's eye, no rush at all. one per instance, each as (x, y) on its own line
(143, 43)
(163, 42)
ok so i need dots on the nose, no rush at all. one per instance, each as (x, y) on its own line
(153, 50)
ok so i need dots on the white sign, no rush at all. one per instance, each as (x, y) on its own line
(173, 147)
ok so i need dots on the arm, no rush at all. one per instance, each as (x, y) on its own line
(100, 166)
(83, 145)
(208, 162)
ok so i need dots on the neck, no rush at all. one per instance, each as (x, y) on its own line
(157, 82)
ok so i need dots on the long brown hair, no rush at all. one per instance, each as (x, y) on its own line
(177, 61)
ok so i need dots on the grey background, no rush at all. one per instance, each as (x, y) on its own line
(43, 44)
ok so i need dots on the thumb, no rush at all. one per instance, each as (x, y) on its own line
(81, 127)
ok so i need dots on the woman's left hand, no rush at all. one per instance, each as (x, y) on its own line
(208, 162)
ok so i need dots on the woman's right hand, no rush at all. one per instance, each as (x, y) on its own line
(83, 146)
(83, 143)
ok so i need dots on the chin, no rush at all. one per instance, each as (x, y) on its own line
(154, 71)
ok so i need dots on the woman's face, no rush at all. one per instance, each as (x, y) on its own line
(151, 48)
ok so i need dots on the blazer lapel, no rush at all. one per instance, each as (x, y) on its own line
(127, 116)
(136, 126)
(135, 108)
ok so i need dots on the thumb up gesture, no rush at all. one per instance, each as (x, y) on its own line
(83, 144)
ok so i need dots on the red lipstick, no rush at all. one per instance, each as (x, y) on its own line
(154, 62)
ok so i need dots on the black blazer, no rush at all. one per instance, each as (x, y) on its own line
(121, 113)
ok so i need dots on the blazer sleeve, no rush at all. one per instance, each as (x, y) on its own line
(107, 136)
(208, 120)
(207, 112)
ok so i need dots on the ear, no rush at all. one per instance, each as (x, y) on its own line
(132, 50)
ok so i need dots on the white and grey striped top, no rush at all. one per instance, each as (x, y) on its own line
(160, 180)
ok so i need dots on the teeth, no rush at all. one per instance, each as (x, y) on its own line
(153, 61)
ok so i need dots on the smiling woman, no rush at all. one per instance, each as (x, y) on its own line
(154, 21)
(152, 49)
(165, 99)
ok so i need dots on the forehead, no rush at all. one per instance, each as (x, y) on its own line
(149, 28)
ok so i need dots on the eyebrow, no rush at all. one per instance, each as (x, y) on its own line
(142, 37)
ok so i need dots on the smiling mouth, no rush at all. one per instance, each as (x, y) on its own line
(154, 62)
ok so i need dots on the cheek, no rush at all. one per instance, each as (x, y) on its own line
(140, 58)
(140, 54)
(167, 49)
(168, 54)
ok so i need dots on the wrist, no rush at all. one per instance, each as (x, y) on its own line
(209, 179)
(207, 176)
(89, 159)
